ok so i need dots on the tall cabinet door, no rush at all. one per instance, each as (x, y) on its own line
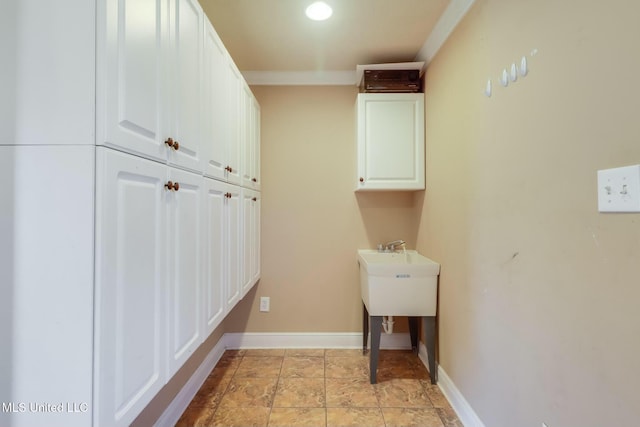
(234, 103)
(184, 204)
(214, 273)
(251, 239)
(129, 341)
(186, 47)
(234, 249)
(131, 76)
(214, 108)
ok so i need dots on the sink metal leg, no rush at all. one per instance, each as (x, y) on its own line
(365, 328)
(376, 330)
(413, 332)
(429, 326)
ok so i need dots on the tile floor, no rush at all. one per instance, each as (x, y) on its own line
(316, 387)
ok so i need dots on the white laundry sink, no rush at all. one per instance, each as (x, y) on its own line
(398, 283)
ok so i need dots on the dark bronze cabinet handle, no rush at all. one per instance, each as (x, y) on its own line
(173, 144)
(361, 179)
(172, 186)
(254, 180)
(229, 169)
(255, 199)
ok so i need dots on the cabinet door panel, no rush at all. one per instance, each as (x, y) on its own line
(234, 94)
(131, 76)
(215, 111)
(214, 253)
(186, 39)
(184, 252)
(391, 141)
(130, 347)
(234, 242)
(251, 239)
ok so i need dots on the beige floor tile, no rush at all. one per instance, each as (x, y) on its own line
(265, 352)
(344, 352)
(211, 391)
(300, 393)
(240, 417)
(346, 367)
(250, 392)
(304, 352)
(402, 393)
(350, 392)
(449, 417)
(435, 395)
(260, 367)
(196, 417)
(311, 387)
(298, 417)
(303, 367)
(411, 417)
(354, 417)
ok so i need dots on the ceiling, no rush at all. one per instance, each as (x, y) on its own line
(268, 36)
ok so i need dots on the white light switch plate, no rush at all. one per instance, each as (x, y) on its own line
(619, 189)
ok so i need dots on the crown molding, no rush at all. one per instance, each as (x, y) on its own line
(450, 18)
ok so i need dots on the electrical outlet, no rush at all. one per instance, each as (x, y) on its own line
(619, 189)
(264, 303)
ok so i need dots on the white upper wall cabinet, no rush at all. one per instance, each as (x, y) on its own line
(47, 84)
(132, 91)
(390, 128)
(185, 85)
(149, 82)
(214, 112)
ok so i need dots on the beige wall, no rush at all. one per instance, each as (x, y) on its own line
(312, 221)
(539, 293)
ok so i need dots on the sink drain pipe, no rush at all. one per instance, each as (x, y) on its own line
(387, 324)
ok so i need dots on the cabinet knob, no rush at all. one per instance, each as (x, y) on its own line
(255, 199)
(254, 180)
(229, 169)
(361, 179)
(172, 186)
(227, 195)
(173, 144)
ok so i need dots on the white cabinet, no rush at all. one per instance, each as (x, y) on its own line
(47, 84)
(390, 128)
(184, 250)
(251, 237)
(250, 139)
(132, 76)
(46, 283)
(130, 288)
(234, 93)
(214, 253)
(215, 123)
(148, 79)
(121, 259)
(222, 253)
(185, 85)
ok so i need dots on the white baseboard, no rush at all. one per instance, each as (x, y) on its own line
(465, 412)
(174, 411)
(312, 340)
(396, 341)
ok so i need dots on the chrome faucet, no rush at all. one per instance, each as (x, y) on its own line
(391, 246)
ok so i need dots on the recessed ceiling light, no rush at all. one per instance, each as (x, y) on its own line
(319, 11)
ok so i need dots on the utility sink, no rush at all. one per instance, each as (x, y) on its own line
(398, 283)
